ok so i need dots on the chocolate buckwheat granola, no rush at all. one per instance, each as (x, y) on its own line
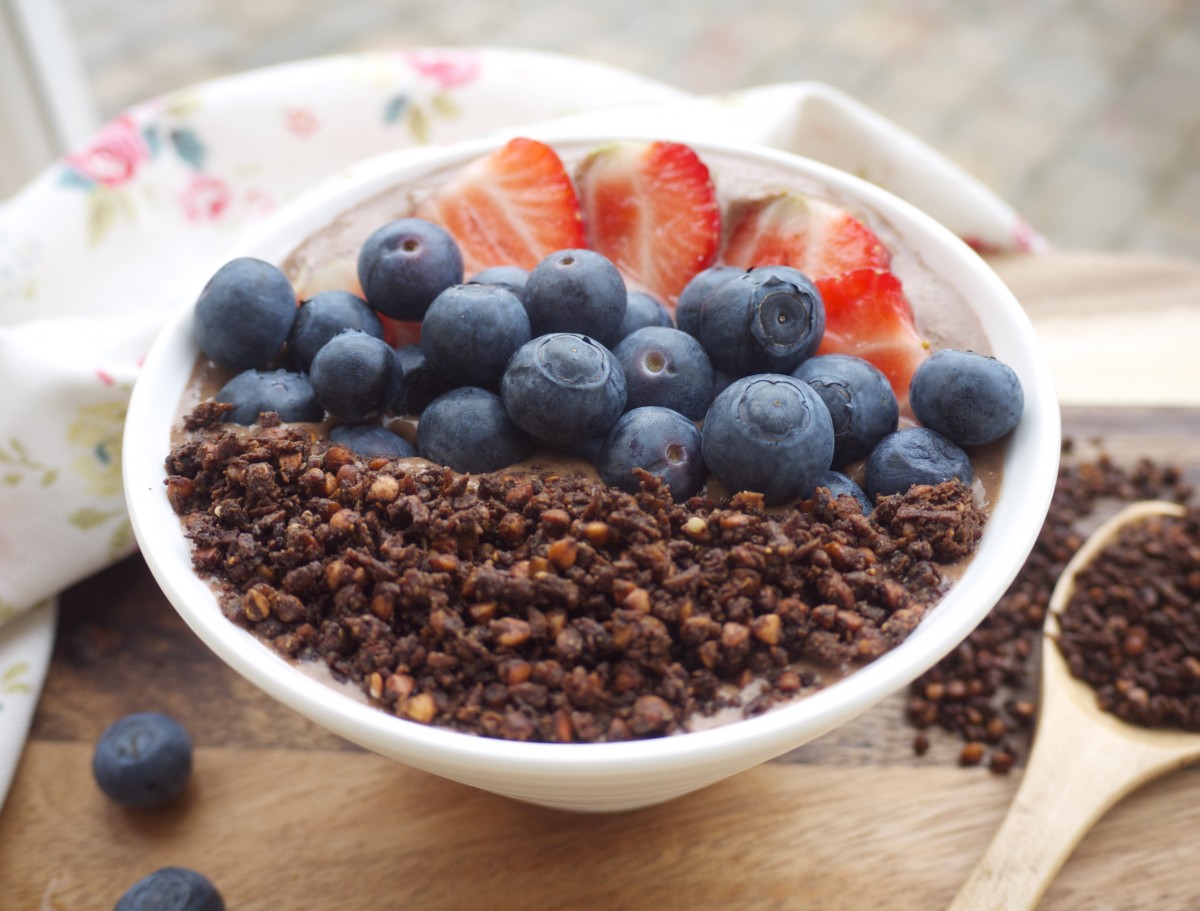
(984, 691)
(537, 606)
(1131, 629)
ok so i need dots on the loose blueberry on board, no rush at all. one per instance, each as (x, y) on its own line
(576, 291)
(666, 367)
(420, 385)
(767, 320)
(840, 485)
(470, 331)
(323, 316)
(356, 377)
(372, 441)
(469, 430)
(564, 388)
(172, 889)
(768, 433)
(143, 760)
(914, 455)
(696, 292)
(659, 440)
(244, 313)
(511, 277)
(405, 264)
(860, 402)
(642, 310)
(967, 397)
(253, 392)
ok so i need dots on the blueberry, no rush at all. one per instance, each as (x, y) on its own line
(470, 332)
(642, 310)
(664, 366)
(143, 760)
(659, 440)
(576, 291)
(860, 402)
(469, 430)
(172, 889)
(588, 450)
(420, 385)
(701, 286)
(967, 397)
(405, 264)
(372, 441)
(914, 455)
(768, 433)
(252, 392)
(841, 486)
(356, 377)
(323, 316)
(767, 320)
(511, 277)
(244, 314)
(563, 388)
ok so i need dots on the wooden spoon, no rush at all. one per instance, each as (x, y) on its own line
(1083, 761)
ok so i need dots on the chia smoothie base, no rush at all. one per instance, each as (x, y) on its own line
(942, 317)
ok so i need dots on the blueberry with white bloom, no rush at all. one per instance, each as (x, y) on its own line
(914, 455)
(860, 402)
(469, 430)
(253, 392)
(768, 433)
(563, 388)
(356, 377)
(244, 313)
(405, 264)
(667, 367)
(968, 397)
(658, 440)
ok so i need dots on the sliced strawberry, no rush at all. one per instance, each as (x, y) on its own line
(651, 208)
(514, 206)
(818, 238)
(867, 315)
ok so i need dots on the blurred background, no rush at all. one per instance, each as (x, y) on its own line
(1084, 114)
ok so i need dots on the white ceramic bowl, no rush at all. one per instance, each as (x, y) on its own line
(609, 776)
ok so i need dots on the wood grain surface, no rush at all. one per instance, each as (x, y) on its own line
(281, 814)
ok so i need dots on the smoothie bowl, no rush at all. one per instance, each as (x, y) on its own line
(555, 598)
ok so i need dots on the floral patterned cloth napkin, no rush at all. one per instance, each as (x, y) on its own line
(98, 250)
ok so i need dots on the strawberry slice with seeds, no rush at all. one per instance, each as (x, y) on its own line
(511, 207)
(867, 315)
(820, 239)
(651, 208)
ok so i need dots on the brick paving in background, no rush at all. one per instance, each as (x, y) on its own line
(1084, 114)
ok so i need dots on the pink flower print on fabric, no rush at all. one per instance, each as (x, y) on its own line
(450, 69)
(206, 198)
(115, 154)
(301, 122)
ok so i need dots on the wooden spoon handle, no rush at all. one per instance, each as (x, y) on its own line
(1083, 761)
(1075, 773)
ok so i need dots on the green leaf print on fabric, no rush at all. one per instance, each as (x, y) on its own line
(97, 431)
(106, 205)
(10, 679)
(17, 466)
(188, 146)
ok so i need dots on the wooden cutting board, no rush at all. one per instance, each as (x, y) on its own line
(281, 814)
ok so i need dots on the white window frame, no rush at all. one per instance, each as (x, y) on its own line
(46, 107)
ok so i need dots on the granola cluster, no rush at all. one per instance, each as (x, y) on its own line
(543, 606)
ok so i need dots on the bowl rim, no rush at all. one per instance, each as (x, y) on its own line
(1031, 461)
